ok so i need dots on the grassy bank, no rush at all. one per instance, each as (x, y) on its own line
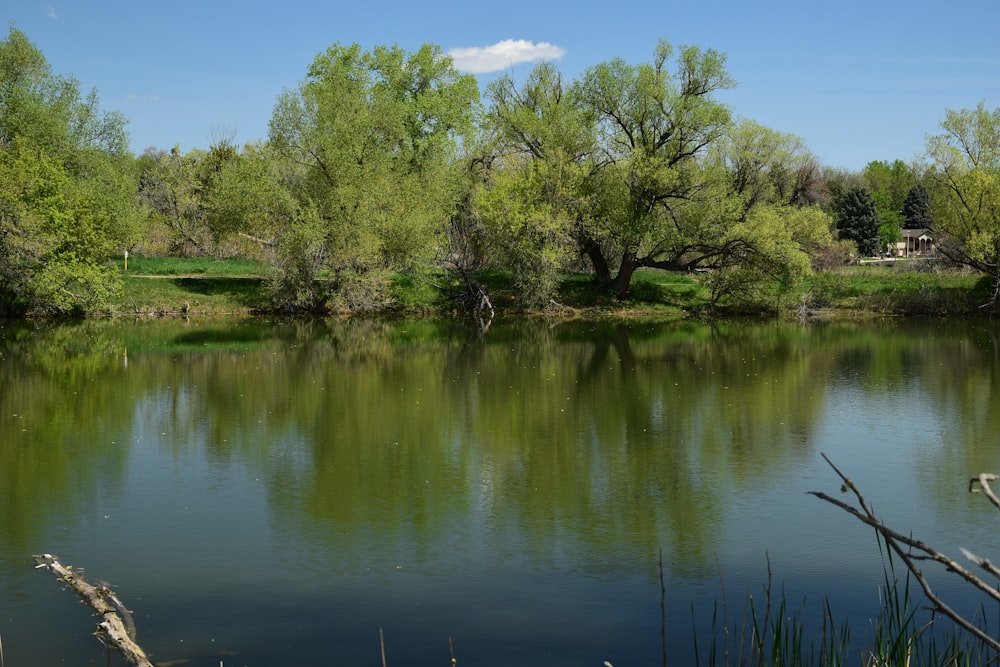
(205, 286)
(195, 286)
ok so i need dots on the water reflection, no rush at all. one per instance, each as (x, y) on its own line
(322, 452)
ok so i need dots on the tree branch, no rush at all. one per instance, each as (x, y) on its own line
(896, 541)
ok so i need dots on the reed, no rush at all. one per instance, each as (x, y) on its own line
(769, 632)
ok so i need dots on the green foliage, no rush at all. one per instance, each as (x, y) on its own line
(172, 195)
(857, 219)
(773, 247)
(917, 208)
(530, 230)
(67, 199)
(765, 166)
(654, 120)
(368, 142)
(531, 199)
(964, 179)
(250, 203)
(889, 184)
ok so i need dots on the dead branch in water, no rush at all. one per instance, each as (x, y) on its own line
(116, 624)
(916, 551)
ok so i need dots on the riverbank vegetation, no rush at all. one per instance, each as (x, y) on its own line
(385, 168)
(206, 286)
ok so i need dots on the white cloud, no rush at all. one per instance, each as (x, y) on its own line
(51, 13)
(509, 52)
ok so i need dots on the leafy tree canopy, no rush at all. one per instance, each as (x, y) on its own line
(67, 194)
(368, 141)
(655, 120)
(964, 183)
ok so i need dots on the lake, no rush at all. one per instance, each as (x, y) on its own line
(277, 493)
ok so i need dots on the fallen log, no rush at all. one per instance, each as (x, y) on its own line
(116, 626)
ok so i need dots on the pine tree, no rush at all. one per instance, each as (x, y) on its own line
(857, 219)
(917, 208)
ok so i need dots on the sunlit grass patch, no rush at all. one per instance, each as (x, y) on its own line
(187, 295)
(187, 266)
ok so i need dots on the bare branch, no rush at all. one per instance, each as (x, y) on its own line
(984, 563)
(896, 541)
(984, 480)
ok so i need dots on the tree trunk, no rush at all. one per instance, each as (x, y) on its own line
(623, 280)
(592, 249)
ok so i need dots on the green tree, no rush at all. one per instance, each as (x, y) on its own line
(889, 184)
(67, 191)
(368, 142)
(533, 194)
(655, 121)
(763, 206)
(171, 193)
(764, 166)
(637, 167)
(964, 183)
(917, 208)
(857, 219)
(248, 205)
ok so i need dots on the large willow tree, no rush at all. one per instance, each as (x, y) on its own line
(67, 197)
(369, 141)
(641, 166)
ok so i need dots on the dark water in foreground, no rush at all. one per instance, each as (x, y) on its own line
(275, 494)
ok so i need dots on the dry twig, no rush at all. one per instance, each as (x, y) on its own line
(917, 551)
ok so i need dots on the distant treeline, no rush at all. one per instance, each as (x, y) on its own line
(384, 162)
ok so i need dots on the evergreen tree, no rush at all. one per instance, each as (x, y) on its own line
(857, 219)
(917, 208)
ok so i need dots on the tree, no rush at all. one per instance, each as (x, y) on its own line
(175, 190)
(640, 168)
(67, 192)
(248, 204)
(889, 184)
(764, 210)
(171, 193)
(917, 208)
(964, 182)
(654, 122)
(368, 142)
(764, 166)
(857, 219)
(533, 194)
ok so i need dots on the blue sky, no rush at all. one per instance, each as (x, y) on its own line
(857, 80)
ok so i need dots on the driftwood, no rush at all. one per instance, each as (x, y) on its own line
(913, 552)
(116, 626)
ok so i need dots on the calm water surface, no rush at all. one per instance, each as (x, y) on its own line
(272, 494)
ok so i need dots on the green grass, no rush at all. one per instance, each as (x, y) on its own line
(194, 266)
(897, 289)
(218, 286)
(191, 285)
(192, 296)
